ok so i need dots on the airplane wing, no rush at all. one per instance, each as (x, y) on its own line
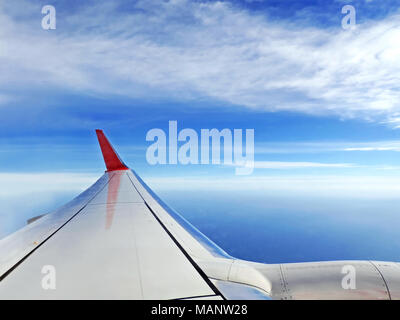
(118, 240)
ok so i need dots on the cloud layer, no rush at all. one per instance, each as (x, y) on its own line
(191, 50)
(332, 186)
(22, 184)
(25, 195)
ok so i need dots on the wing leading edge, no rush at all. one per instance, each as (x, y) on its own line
(118, 240)
(106, 244)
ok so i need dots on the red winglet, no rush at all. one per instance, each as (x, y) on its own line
(111, 158)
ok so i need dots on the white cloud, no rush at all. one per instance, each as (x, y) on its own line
(299, 165)
(374, 146)
(321, 185)
(190, 50)
(21, 184)
(319, 165)
(373, 149)
(294, 165)
(326, 146)
(26, 195)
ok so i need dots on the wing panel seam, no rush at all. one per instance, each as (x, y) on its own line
(193, 263)
(11, 269)
(383, 279)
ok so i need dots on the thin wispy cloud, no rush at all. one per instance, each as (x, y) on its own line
(374, 146)
(299, 165)
(25, 195)
(21, 184)
(215, 50)
(304, 165)
(322, 185)
(373, 149)
(325, 147)
(294, 165)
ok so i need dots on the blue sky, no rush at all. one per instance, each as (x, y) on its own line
(324, 102)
